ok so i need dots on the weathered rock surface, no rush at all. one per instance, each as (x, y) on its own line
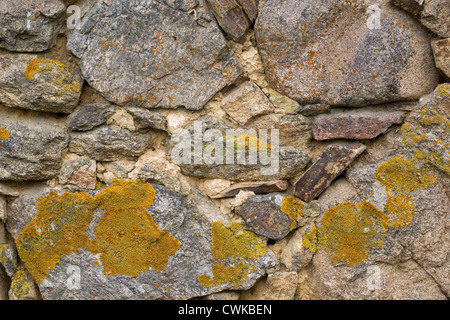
(30, 25)
(341, 52)
(433, 14)
(108, 143)
(231, 17)
(275, 215)
(78, 171)
(34, 149)
(330, 164)
(193, 253)
(89, 116)
(171, 56)
(144, 120)
(258, 187)
(29, 81)
(246, 102)
(354, 125)
(441, 51)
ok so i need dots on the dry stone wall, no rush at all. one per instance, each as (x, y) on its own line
(224, 149)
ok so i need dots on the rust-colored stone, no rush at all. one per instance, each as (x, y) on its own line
(330, 164)
(354, 125)
(231, 17)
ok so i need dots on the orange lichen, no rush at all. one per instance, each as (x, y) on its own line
(19, 284)
(348, 232)
(127, 237)
(4, 134)
(292, 207)
(235, 241)
(235, 275)
(58, 229)
(53, 70)
(401, 211)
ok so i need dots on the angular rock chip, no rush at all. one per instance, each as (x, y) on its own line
(90, 116)
(144, 120)
(34, 149)
(231, 17)
(275, 215)
(109, 143)
(30, 25)
(133, 240)
(159, 53)
(31, 82)
(246, 102)
(250, 7)
(258, 187)
(441, 51)
(354, 125)
(330, 164)
(341, 52)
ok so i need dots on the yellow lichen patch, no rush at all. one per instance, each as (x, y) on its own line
(4, 134)
(127, 237)
(53, 70)
(292, 207)
(19, 284)
(311, 240)
(235, 241)
(348, 232)
(235, 275)
(58, 229)
(401, 210)
(402, 176)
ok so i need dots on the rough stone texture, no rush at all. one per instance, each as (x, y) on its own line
(441, 51)
(258, 187)
(187, 219)
(264, 215)
(79, 171)
(90, 116)
(34, 149)
(250, 7)
(144, 120)
(246, 102)
(173, 57)
(341, 52)
(30, 25)
(2, 208)
(109, 143)
(8, 190)
(354, 125)
(29, 81)
(330, 164)
(230, 16)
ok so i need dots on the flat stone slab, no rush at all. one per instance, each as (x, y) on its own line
(159, 53)
(354, 125)
(330, 164)
(258, 187)
(132, 240)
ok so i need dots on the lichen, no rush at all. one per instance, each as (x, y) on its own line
(292, 207)
(401, 211)
(348, 232)
(235, 241)
(19, 284)
(127, 237)
(4, 134)
(59, 76)
(235, 275)
(58, 229)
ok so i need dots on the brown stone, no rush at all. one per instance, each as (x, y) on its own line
(250, 7)
(354, 125)
(258, 187)
(231, 17)
(441, 51)
(330, 164)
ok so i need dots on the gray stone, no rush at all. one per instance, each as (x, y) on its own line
(34, 149)
(3, 212)
(145, 120)
(90, 116)
(258, 187)
(441, 51)
(192, 268)
(173, 55)
(79, 171)
(341, 52)
(30, 25)
(32, 82)
(109, 143)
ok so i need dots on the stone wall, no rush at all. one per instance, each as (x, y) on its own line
(224, 149)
